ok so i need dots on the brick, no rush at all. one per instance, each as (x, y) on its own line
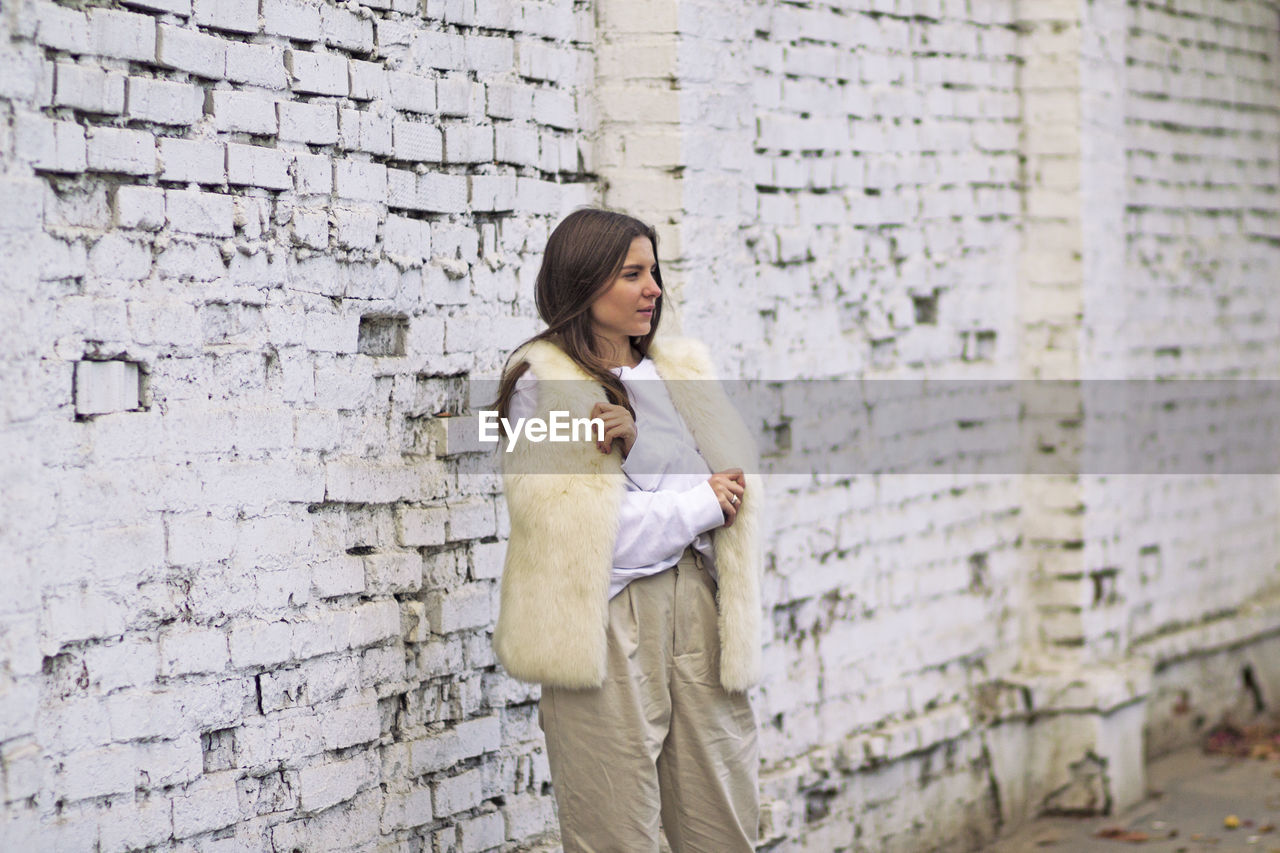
(364, 130)
(115, 256)
(370, 81)
(259, 643)
(416, 141)
(257, 65)
(346, 30)
(139, 207)
(459, 609)
(191, 51)
(208, 804)
(455, 96)
(88, 89)
(291, 19)
(163, 101)
(314, 123)
(455, 794)
(338, 576)
(195, 212)
(442, 193)
(486, 832)
(317, 73)
(412, 92)
(468, 143)
(253, 165)
(186, 650)
(360, 181)
(62, 29)
(313, 174)
(234, 16)
(326, 785)
(192, 161)
(516, 144)
(123, 35)
(355, 229)
(492, 192)
(50, 146)
(489, 54)
(408, 241)
(130, 152)
(243, 111)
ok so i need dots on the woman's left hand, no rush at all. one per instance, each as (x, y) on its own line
(618, 425)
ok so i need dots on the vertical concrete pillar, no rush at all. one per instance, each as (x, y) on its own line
(1081, 748)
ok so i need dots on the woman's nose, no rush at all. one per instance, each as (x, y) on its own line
(652, 288)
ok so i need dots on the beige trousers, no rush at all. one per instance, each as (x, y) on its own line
(661, 739)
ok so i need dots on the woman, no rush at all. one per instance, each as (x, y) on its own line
(630, 589)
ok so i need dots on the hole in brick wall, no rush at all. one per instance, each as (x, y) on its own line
(817, 805)
(1250, 682)
(442, 394)
(102, 386)
(978, 572)
(1104, 585)
(361, 550)
(219, 748)
(382, 335)
(979, 345)
(926, 306)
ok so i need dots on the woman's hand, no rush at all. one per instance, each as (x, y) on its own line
(729, 486)
(618, 425)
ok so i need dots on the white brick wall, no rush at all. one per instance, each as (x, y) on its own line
(253, 610)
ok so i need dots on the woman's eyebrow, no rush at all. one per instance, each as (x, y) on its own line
(637, 266)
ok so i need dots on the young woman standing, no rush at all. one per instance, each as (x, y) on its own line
(631, 584)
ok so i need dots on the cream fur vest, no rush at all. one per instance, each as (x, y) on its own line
(563, 501)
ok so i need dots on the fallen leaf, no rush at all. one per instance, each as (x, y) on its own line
(1231, 822)
(1116, 833)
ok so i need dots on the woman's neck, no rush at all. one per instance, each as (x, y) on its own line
(618, 353)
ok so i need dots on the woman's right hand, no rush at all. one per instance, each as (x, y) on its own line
(729, 486)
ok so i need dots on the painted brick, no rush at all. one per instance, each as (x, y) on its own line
(291, 19)
(163, 101)
(192, 161)
(257, 65)
(130, 152)
(139, 207)
(442, 193)
(360, 181)
(243, 111)
(122, 35)
(187, 50)
(51, 146)
(88, 89)
(253, 165)
(317, 73)
(346, 30)
(62, 28)
(314, 123)
(195, 212)
(235, 16)
(313, 174)
(416, 141)
(412, 93)
(370, 81)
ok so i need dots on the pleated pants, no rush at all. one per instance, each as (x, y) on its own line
(661, 741)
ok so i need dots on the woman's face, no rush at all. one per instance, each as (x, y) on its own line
(625, 308)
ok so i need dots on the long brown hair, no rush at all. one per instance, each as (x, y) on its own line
(584, 254)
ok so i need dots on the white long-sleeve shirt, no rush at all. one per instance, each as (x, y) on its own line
(668, 504)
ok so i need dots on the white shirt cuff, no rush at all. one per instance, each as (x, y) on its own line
(701, 507)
